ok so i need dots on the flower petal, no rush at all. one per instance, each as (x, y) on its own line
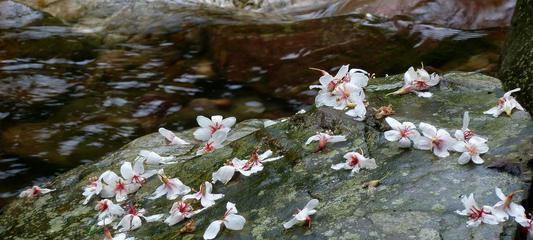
(203, 121)
(234, 222)
(212, 231)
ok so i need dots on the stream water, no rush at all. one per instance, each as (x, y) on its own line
(68, 97)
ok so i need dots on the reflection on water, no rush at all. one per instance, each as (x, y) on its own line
(67, 97)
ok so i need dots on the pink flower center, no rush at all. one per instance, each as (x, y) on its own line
(404, 133)
(353, 161)
(36, 191)
(420, 84)
(322, 143)
(475, 213)
(183, 208)
(107, 234)
(254, 160)
(132, 210)
(501, 102)
(137, 179)
(437, 142)
(215, 127)
(102, 207)
(209, 147)
(120, 187)
(472, 150)
(332, 85)
(468, 134)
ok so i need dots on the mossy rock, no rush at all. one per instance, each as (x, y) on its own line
(416, 199)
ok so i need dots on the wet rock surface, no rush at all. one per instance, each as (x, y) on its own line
(416, 199)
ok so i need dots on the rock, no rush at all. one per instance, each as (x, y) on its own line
(416, 198)
(516, 68)
(14, 15)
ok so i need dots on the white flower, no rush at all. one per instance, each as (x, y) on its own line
(171, 138)
(254, 164)
(153, 158)
(115, 186)
(224, 174)
(507, 205)
(171, 187)
(355, 161)
(526, 222)
(214, 143)
(348, 96)
(133, 220)
(120, 236)
(466, 134)
(471, 150)
(345, 89)
(93, 188)
(34, 192)
(431, 139)
(505, 104)
(403, 132)
(357, 110)
(477, 215)
(207, 199)
(135, 176)
(325, 138)
(416, 81)
(106, 184)
(231, 221)
(180, 211)
(303, 215)
(208, 127)
(107, 211)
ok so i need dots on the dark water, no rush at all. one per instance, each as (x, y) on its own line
(68, 98)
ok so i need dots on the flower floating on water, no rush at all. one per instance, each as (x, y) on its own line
(417, 81)
(135, 176)
(180, 211)
(471, 150)
(34, 192)
(439, 141)
(404, 132)
(505, 104)
(133, 219)
(120, 236)
(303, 215)
(507, 205)
(204, 195)
(171, 138)
(172, 187)
(355, 161)
(208, 127)
(214, 143)
(107, 211)
(231, 221)
(152, 158)
(466, 134)
(477, 215)
(325, 138)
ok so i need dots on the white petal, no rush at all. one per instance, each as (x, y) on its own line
(342, 72)
(169, 135)
(174, 218)
(212, 231)
(231, 208)
(477, 159)
(338, 166)
(217, 119)
(312, 139)
(495, 111)
(160, 191)
(393, 123)
(500, 194)
(423, 94)
(203, 121)
(290, 223)
(405, 142)
(466, 120)
(234, 222)
(441, 152)
(464, 158)
(229, 122)
(224, 174)
(135, 223)
(410, 75)
(202, 134)
(337, 138)
(154, 218)
(392, 135)
(427, 130)
(312, 204)
(126, 171)
(422, 143)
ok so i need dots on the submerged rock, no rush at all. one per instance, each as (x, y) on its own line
(417, 196)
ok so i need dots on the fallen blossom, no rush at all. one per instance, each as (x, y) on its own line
(439, 141)
(134, 218)
(230, 220)
(120, 236)
(466, 134)
(325, 138)
(208, 127)
(34, 192)
(180, 211)
(93, 188)
(505, 104)
(171, 138)
(527, 223)
(204, 195)
(507, 205)
(172, 187)
(107, 211)
(152, 158)
(354, 162)
(255, 163)
(214, 143)
(224, 174)
(135, 176)
(404, 132)
(477, 215)
(417, 81)
(303, 215)
(471, 150)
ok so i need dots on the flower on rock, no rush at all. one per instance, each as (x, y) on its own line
(355, 161)
(224, 174)
(115, 186)
(204, 195)
(133, 219)
(93, 188)
(477, 215)
(471, 150)
(231, 221)
(214, 143)
(120, 236)
(417, 81)
(466, 134)
(507, 205)
(404, 132)
(180, 211)
(152, 158)
(172, 187)
(135, 176)
(171, 138)
(208, 127)
(438, 141)
(254, 164)
(325, 138)
(303, 215)
(34, 192)
(505, 104)
(107, 211)
(525, 222)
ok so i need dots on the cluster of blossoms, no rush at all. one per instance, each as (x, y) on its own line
(499, 212)
(213, 131)
(344, 91)
(439, 140)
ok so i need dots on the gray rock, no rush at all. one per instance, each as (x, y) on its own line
(416, 199)
(14, 15)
